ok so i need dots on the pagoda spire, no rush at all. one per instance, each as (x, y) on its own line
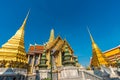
(17, 40)
(92, 40)
(25, 20)
(52, 37)
(98, 58)
(94, 45)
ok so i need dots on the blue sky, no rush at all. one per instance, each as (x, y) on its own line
(69, 19)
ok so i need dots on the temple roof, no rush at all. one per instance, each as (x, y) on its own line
(117, 47)
(57, 44)
(36, 47)
(31, 48)
(53, 44)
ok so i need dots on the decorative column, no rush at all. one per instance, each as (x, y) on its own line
(76, 60)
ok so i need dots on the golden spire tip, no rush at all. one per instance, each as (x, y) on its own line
(27, 14)
(90, 35)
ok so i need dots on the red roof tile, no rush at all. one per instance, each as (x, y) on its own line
(31, 48)
(38, 47)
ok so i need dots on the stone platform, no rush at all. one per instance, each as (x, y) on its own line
(13, 74)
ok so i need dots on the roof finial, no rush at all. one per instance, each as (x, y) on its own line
(90, 35)
(51, 36)
(24, 22)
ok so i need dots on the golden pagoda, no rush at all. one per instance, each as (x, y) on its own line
(12, 53)
(98, 58)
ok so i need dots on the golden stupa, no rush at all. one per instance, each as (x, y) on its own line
(98, 58)
(12, 53)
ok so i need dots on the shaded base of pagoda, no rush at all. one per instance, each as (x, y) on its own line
(13, 64)
(68, 63)
(43, 66)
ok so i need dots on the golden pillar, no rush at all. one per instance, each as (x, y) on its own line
(28, 58)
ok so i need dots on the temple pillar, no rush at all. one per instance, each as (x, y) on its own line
(71, 59)
(33, 60)
(48, 58)
(39, 58)
(59, 59)
(28, 58)
(38, 62)
(32, 66)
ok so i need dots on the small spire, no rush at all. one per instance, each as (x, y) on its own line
(51, 39)
(90, 35)
(24, 22)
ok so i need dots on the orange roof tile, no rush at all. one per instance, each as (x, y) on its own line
(38, 47)
(31, 48)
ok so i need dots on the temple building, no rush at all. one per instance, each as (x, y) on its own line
(109, 57)
(13, 59)
(55, 58)
(113, 55)
(98, 58)
(39, 56)
(34, 55)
